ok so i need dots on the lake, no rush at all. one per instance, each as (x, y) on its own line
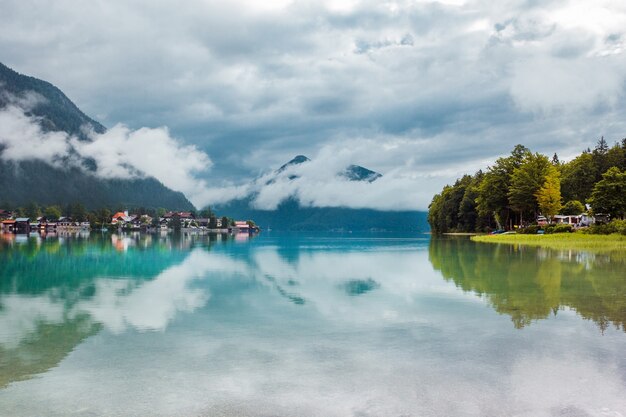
(308, 325)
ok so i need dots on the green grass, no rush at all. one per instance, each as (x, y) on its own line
(560, 241)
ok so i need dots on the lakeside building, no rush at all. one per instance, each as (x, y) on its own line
(242, 226)
(8, 226)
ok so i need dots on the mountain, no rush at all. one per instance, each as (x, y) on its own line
(291, 216)
(359, 173)
(297, 160)
(36, 181)
(58, 113)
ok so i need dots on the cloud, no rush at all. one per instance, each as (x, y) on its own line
(124, 153)
(121, 152)
(21, 138)
(118, 153)
(457, 82)
(321, 183)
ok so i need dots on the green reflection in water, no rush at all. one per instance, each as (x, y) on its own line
(42, 280)
(529, 284)
(43, 349)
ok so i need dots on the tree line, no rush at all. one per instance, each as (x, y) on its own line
(519, 187)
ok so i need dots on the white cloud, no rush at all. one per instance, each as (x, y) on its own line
(119, 153)
(21, 138)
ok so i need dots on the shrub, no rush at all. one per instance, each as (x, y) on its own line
(558, 228)
(614, 226)
(529, 230)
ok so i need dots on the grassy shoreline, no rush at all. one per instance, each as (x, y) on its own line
(562, 241)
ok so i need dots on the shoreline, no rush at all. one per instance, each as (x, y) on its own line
(559, 241)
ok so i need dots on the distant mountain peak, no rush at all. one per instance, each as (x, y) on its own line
(359, 173)
(352, 172)
(297, 160)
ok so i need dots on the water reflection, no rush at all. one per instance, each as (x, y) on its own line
(157, 325)
(57, 291)
(530, 284)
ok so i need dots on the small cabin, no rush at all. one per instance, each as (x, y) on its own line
(22, 225)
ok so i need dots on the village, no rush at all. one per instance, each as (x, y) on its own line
(123, 221)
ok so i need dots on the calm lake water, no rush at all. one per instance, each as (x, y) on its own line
(308, 325)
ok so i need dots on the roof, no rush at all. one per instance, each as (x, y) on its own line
(8, 221)
(22, 219)
(182, 214)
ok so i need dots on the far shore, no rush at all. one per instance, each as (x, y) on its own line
(560, 241)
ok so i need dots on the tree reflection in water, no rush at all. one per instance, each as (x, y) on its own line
(529, 284)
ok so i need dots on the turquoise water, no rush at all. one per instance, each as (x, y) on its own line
(308, 325)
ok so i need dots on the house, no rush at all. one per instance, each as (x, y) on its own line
(22, 225)
(8, 226)
(202, 222)
(602, 218)
(121, 217)
(5, 214)
(242, 227)
(585, 219)
(34, 226)
(65, 221)
(50, 226)
(565, 219)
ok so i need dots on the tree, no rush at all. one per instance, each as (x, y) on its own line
(104, 215)
(549, 195)
(175, 223)
(526, 181)
(52, 212)
(445, 211)
(225, 222)
(212, 222)
(616, 157)
(78, 212)
(92, 218)
(32, 210)
(573, 207)
(600, 158)
(493, 199)
(578, 177)
(609, 194)
(206, 212)
(468, 218)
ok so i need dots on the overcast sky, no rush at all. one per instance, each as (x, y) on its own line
(421, 91)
